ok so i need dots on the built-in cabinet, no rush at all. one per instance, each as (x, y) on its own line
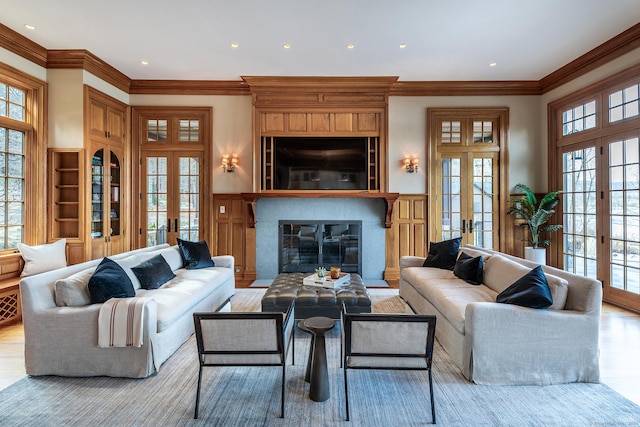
(105, 221)
(106, 212)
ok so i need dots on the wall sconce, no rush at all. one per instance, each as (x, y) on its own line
(229, 163)
(411, 164)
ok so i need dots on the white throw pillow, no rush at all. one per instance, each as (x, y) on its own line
(41, 258)
(500, 273)
(72, 291)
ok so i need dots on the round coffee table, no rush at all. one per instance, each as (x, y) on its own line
(319, 390)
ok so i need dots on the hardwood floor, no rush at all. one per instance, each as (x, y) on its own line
(619, 352)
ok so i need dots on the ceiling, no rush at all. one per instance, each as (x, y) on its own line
(445, 39)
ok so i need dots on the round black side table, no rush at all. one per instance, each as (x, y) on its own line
(319, 390)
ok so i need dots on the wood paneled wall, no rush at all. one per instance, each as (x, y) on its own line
(229, 231)
(408, 234)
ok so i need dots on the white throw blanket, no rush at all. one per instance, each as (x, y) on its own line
(120, 322)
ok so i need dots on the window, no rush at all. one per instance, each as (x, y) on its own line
(580, 118)
(624, 103)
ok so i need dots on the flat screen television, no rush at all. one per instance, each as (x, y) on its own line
(320, 163)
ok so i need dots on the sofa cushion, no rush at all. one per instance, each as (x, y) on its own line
(109, 280)
(449, 294)
(501, 272)
(184, 292)
(443, 254)
(474, 252)
(469, 268)
(195, 254)
(72, 291)
(127, 263)
(153, 273)
(41, 258)
(531, 290)
(171, 254)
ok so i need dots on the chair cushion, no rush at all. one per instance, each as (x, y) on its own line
(443, 254)
(531, 290)
(153, 273)
(109, 280)
(469, 268)
(195, 254)
(41, 258)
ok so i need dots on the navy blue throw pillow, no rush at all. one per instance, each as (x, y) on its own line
(531, 290)
(195, 255)
(109, 281)
(469, 269)
(443, 254)
(153, 273)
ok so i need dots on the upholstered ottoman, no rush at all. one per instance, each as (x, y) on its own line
(313, 300)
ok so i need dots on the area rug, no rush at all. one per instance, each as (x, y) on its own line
(250, 396)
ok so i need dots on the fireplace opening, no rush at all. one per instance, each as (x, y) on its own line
(306, 245)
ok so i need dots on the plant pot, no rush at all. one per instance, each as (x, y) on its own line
(537, 255)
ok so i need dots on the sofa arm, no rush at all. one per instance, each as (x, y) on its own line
(509, 344)
(411, 261)
(226, 261)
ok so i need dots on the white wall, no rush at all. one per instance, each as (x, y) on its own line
(16, 61)
(231, 134)
(65, 108)
(408, 136)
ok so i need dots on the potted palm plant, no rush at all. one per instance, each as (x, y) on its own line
(535, 215)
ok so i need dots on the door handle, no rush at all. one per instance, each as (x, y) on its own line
(464, 226)
(175, 225)
(470, 226)
(168, 226)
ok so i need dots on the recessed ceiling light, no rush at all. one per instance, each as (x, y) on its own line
(493, 64)
(402, 45)
(29, 27)
(351, 46)
(144, 62)
(234, 45)
(286, 46)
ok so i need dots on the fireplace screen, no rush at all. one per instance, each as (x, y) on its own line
(307, 245)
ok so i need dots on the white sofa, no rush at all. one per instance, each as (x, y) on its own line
(63, 340)
(504, 344)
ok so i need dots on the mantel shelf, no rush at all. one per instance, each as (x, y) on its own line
(252, 198)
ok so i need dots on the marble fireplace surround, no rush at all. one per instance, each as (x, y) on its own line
(373, 209)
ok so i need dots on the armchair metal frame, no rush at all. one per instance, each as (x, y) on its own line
(374, 357)
(284, 330)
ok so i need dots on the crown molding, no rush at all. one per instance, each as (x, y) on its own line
(319, 83)
(80, 58)
(465, 88)
(189, 87)
(623, 43)
(22, 46)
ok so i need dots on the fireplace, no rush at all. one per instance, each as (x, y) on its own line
(342, 225)
(306, 245)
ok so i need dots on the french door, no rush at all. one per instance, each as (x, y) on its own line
(465, 181)
(171, 197)
(601, 214)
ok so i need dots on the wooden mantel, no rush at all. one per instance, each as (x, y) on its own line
(251, 199)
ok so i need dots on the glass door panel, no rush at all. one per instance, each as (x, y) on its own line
(189, 193)
(579, 226)
(156, 197)
(624, 232)
(97, 194)
(114, 195)
(450, 198)
(484, 190)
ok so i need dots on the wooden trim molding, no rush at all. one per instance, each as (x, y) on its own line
(617, 46)
(22, 46)
(465, 88)
(251, 199)
(189, 87)
(87, 61)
